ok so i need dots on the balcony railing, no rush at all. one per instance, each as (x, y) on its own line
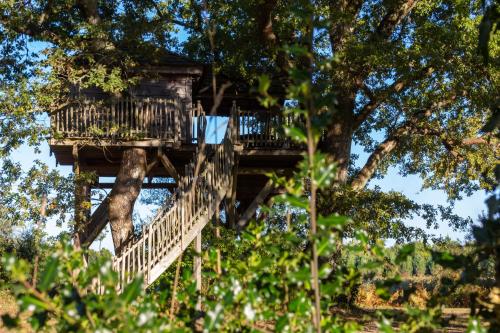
(265, 129)
(166, 119)
(124, 118)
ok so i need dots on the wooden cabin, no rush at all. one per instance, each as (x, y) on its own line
(164, 114)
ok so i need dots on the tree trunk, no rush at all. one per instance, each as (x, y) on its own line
(337, 143)
(125, 191)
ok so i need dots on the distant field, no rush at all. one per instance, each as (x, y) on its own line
(458, 318)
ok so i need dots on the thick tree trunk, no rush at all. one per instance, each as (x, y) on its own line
(124, 193)
(337, 143)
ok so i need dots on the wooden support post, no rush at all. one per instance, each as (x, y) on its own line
(230, 201)
(259, 199)
(96, 223)
(218, 268)
(76, 171)
(82, 199)
(197, 268)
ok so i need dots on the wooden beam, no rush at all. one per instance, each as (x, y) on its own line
(230, 201)
(252, 208)
(197, 268)
(151, 166)
(145, 143)
(273, 152)
(260, 171)
(97, 222)
(167, 164)
(168, 186)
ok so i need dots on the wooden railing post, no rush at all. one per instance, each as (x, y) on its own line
(177, 126)
(197, 269)
(233, 123)
(148, 263)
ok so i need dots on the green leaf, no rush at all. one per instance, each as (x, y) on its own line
(362, 237)
(448, 260)
(282, 323)
(324, 175)
(332, 221)
(325, 245)
(406, 251)
(370, 265)
(475, 326)
(385, 325)
(30, 300)
(299, 202)
(264, 84)
(49, 274)
(296, 134)
(132, 290)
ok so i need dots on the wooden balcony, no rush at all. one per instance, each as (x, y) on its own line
(125, 119)
(103, 128)
(166, 120)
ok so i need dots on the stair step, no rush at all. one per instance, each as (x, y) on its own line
(176, 227)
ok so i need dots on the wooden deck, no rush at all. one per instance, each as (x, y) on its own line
(103, 129)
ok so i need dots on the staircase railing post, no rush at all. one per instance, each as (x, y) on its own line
(234, 126)
(197, 268)
(150, 249)
(177, 126)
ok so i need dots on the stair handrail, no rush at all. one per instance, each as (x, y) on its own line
(172, 224)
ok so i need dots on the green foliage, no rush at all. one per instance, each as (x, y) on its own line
(63, 298)
(265, 280)
(428, 93)
(383, 214)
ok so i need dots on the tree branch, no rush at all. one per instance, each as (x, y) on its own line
(451, 145)
(385, 148)
(162, 16)
(265, 21)
(343, 13)
(391, 142)
(378, 98)
(396, 13)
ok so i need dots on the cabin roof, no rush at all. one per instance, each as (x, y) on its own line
(163, 61)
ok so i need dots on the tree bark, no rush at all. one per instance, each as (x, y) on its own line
(337, 143)
(366, 173)
(125, 191)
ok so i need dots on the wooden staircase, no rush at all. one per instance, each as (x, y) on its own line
(206, 181)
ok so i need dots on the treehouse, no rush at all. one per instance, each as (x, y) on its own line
(168, 132)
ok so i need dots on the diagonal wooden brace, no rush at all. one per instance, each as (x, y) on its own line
(252, 208)
(100, 218)
(167, 164)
